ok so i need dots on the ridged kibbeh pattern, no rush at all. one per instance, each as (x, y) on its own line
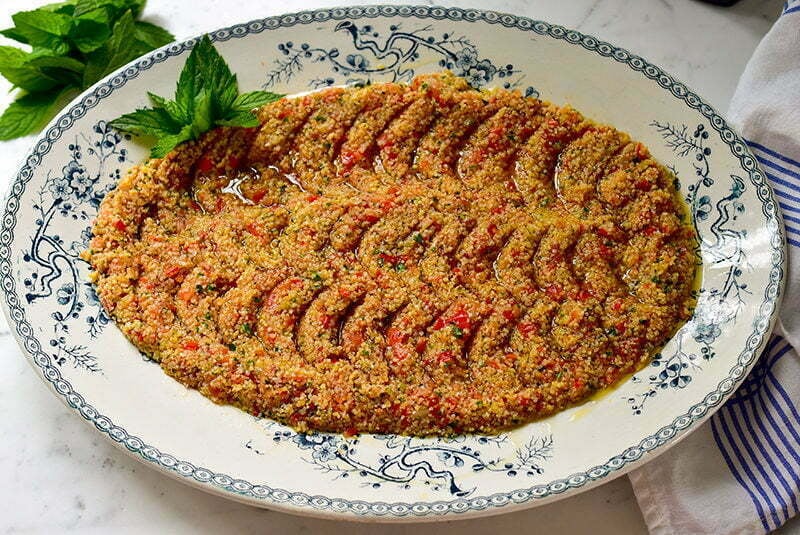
(417, 259)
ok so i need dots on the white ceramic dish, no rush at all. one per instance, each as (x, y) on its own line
(69, 340)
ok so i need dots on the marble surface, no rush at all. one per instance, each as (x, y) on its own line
(58, 475)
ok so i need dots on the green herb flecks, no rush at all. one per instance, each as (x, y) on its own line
(207, 95)
(72, 45)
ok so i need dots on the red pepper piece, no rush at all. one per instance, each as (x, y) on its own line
(526, 328)
(204, 165)
(173, 271)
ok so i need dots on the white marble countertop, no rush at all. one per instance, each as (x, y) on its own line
(60, 476)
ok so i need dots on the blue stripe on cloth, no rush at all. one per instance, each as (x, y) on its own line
(791, 10)
(753, 485)
(788, 401)
(791, 220)
(785, 183)
(773, 343)
(773, 153)
(790, 445)
(788, 207)
(750, 442)
(777, 408)
(792, 471)
(738, 476)
(759, 440)
(775, 356)
(782, 181)
(784, 450)
(776, 181)
(781, 169)
(780, 192)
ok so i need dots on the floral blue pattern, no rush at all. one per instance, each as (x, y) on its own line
(380, 59)
(723, 242)
(406, 461)
(62, 291)
(54, 268)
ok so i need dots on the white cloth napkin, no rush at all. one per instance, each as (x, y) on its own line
(740, 472)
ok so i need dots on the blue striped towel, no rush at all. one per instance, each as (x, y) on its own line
(740, 472)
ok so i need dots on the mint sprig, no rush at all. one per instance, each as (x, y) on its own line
(72, 45)
(207, 95)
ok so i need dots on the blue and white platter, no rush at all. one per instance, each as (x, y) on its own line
(70, 341)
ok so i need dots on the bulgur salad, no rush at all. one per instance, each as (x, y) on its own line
(423, 259)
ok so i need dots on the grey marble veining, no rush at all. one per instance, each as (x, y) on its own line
(59, 475)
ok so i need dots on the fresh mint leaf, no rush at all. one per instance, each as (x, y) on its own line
(16, 35)
(15, 68)
(43, 20)
(151, 35)
(98, 16)
(213, 73)
(44, 29)
(169, 142)
(116, 52)
(244, 119)
(96, 64)
(29, 113)
(254, 99)
(92, 9)
(65, 70)
(50, 19)
(188, 85)
(60, 62)
(88, 35)
(207, 95)
(175, 111)
(158, 102)
(136, 6)
(112, 8)
(74, 44)
(67, 8)
(121, 45)
(147, 122)
(12, 57)
(225, 99)
(203, 118)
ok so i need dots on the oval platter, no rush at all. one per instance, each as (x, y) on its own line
(70, 341)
